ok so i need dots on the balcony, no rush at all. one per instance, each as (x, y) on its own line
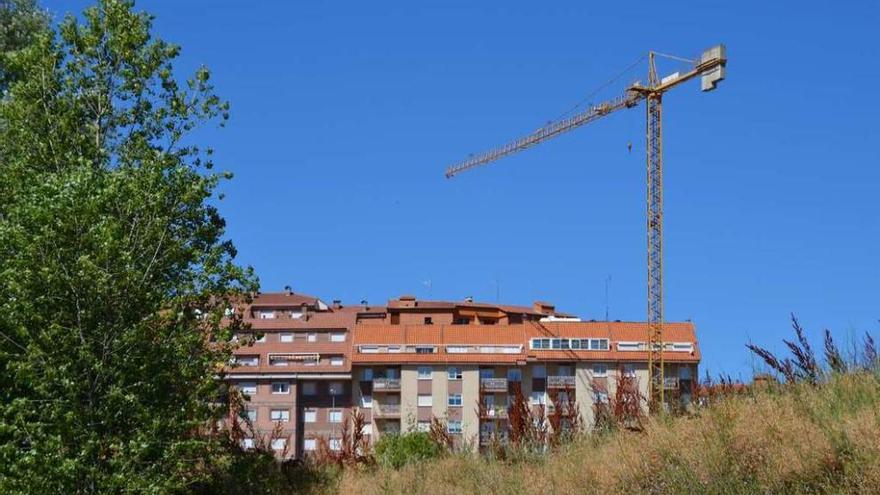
(493, 384)
(670, 383)
(560, 382)
(386, 410)
(494, 412)
(386, 384)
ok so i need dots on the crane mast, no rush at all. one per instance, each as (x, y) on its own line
(711, 68)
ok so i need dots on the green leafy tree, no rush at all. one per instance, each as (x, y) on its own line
(115, 272)
(20, 22)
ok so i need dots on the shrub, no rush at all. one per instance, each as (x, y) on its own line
(396, 451)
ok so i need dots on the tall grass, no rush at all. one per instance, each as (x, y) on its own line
(798, 438)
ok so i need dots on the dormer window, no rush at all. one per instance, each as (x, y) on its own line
(267, 315)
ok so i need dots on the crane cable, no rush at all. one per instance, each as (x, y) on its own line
(601, 87)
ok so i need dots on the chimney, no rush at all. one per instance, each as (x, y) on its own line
(469, 299)
(544, 308)
(305, 311)
(288, 290)
(337, 303)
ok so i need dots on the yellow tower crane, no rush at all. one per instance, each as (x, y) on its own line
(711, 68)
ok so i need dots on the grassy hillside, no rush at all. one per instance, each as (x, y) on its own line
(789, 439)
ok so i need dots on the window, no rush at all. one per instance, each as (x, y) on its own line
(267, 315)
(367, 401)
(454, 400)
(394, 349)
(279, 443)
(335, 444)
(514, 375)
(392, 373)
(425, 401)
(336, 361)
(487, 373)
(600, 369)
(428, 320)
(280, 387)
(335, 416)
(310, 416)
(369, 349)
(539, 371)
(598, 344)
(247, 443)
(286, 337)
(277, 360)
(310, 444)
(627, 346)
(456, 349)
(250, 415)
(367, 374)
(309, 388)
(337, 337)
(453, 427)
(536, 398)
(454, 373)
(600, 397)
(260, 338)
(336, 388)
(424, 349)
(423, 426)
(461, 321)
(424, 373)
(247, 360)
(489, 401)
(312, 337)
(279, 415)
(540, 343)
(248, 388)
(684, 372)
(563, 370)
(629, 369)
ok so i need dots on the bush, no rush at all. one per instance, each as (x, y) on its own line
(396, 451)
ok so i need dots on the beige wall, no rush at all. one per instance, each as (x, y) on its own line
(470, 394)
(409, 393)
(439, 391)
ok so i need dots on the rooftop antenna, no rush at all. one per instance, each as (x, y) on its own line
(607, 284)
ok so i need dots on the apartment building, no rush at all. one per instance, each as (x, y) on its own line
(410, 361)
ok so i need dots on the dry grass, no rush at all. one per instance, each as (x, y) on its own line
(795, 439)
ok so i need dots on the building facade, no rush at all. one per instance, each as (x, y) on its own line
(410, 361)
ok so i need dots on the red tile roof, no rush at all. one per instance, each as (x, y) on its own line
(282, 299)
(443, 335)
(321, 320)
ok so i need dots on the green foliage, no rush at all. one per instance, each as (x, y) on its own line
(20, 23)
(114, 269)
(396, 451)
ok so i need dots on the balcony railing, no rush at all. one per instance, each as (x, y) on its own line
(386, 384)
(560, 382)
(386, 410)
(493, 384)
(670, 383)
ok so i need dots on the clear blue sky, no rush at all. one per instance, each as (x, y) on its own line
(345, 114)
